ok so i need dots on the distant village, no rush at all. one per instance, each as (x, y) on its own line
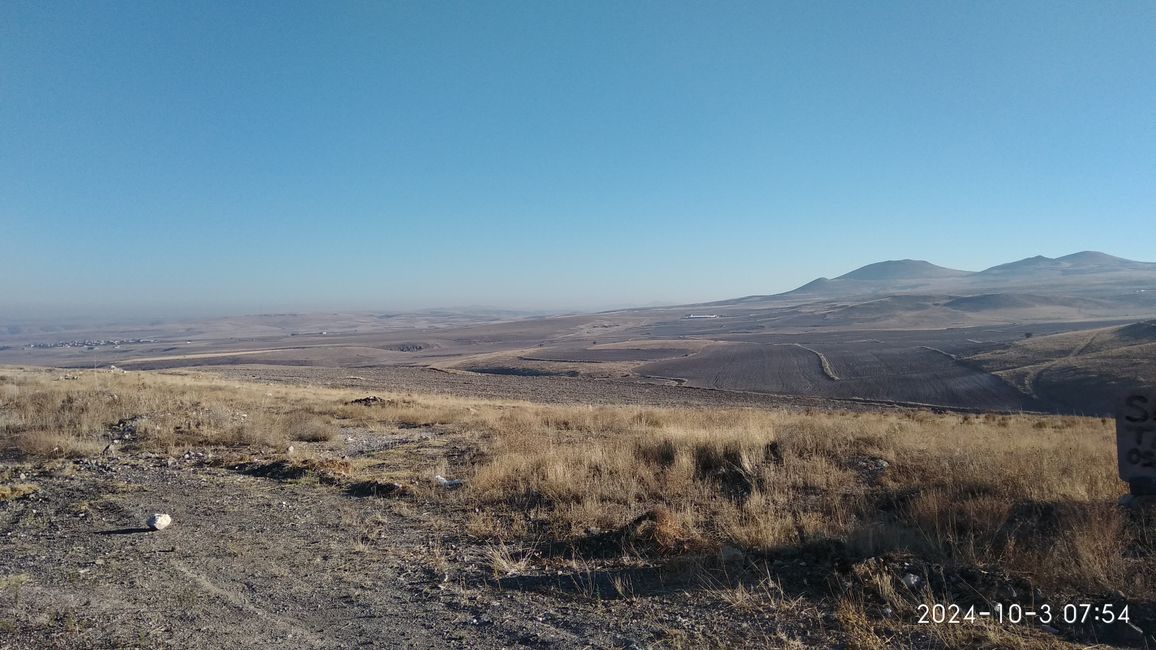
(89, 343)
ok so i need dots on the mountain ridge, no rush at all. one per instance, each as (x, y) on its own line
(1081, 274)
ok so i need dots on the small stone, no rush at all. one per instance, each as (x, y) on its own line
(912, 581)
(159, 521)
(447, 483)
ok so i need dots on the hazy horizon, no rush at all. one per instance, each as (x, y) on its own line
(135, 315)
(168, 160)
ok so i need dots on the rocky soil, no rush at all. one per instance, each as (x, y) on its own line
(253, 561)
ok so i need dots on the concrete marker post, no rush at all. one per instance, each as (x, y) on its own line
(1136, 446)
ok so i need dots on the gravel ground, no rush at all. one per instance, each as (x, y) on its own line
(259, 562)
(248, 562)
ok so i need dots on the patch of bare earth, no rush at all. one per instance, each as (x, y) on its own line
(249, 562)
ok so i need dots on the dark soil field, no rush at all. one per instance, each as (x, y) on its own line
(995, 367)
(863, 370)
(595, 355)
(756, 367)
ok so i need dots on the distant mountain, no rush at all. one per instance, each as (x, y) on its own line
(1086, 261)
(1027, 264)
(1088, 273)
(881, 278)
(1036, 281)
(902, 270)
(1095, 258)
(814, 286)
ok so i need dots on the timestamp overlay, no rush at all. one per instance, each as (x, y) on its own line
(1015, 613)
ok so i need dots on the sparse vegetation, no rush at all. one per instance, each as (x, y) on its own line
(870, 496)
(300, 425)
(997, 493)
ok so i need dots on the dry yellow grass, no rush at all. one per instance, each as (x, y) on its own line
(1029, 494)
(45, 413)
(1025, 494)
(17, 491)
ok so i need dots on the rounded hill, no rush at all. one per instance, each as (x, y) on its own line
(902, 270)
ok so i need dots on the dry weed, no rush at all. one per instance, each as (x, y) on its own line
(1026, 494)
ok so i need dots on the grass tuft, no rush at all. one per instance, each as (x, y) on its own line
(17, 491)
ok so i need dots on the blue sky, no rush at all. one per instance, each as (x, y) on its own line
(170, 158)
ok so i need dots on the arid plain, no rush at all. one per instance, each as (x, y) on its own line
(1060, 335)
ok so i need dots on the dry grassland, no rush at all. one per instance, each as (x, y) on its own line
(1021, 499)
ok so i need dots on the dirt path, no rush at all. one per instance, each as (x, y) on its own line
(824, 363)
(1085, 345)
(1035, 372)
(248, 562)
(938, 351)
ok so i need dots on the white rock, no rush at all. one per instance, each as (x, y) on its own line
(446, 483)
(159, 521)
(911, 580)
